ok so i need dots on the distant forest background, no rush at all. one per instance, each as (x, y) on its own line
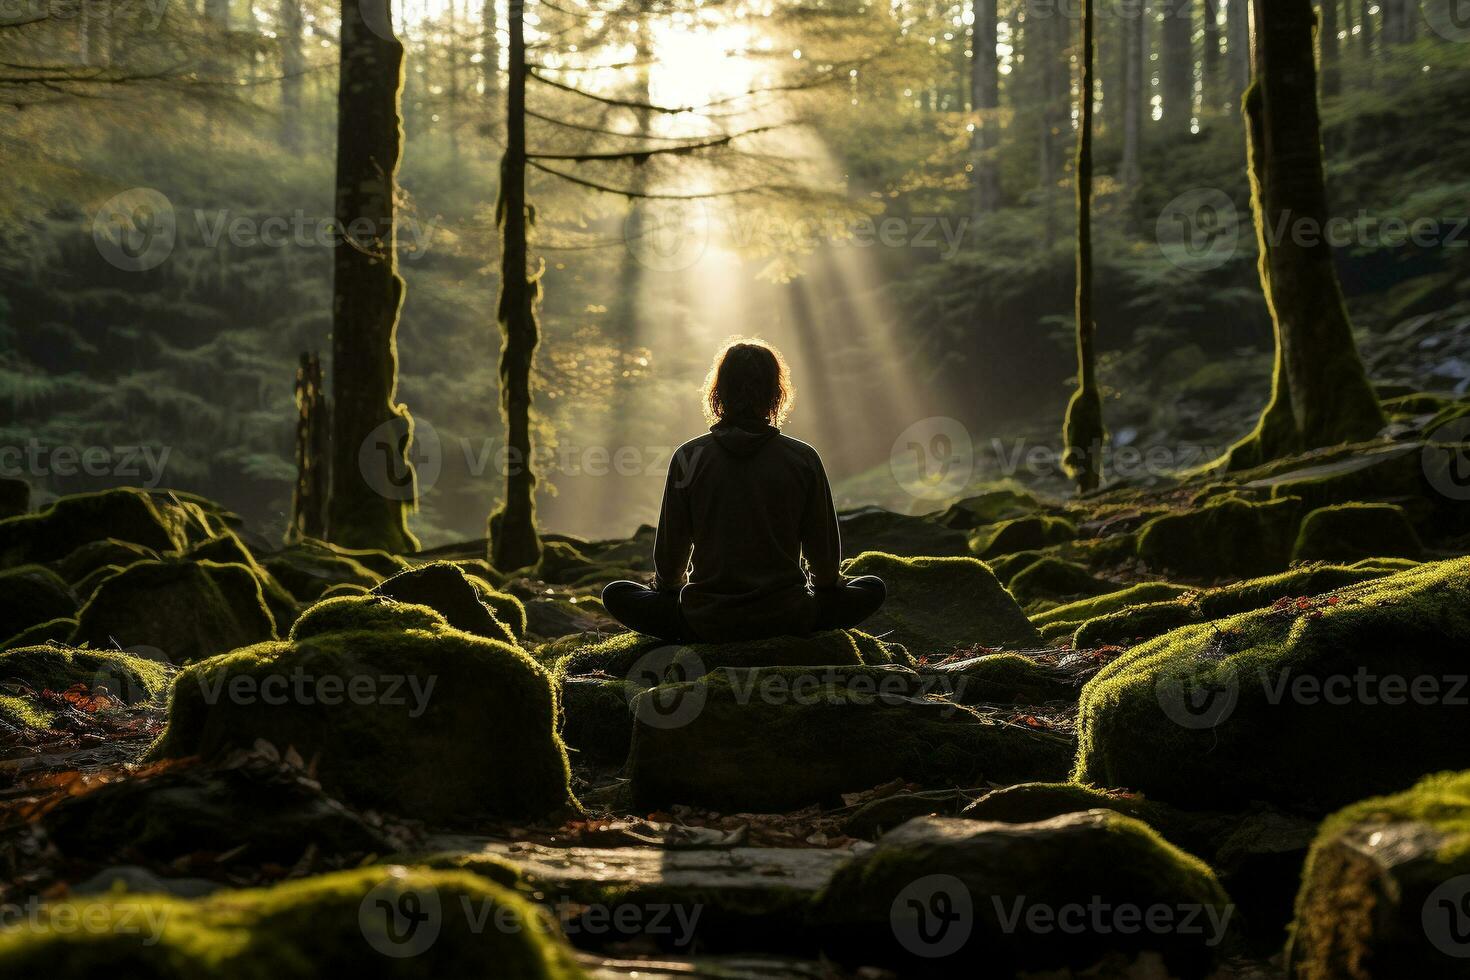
(880, 111)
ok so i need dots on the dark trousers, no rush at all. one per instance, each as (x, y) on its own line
(653, 613)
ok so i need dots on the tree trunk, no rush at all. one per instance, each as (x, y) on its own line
(293, 67)
(373, 483)
(985, 106)
(490, 48)
(313, 453)
(1082, 433)
(1238, 47)
(1330, 48)
(1045, 44)
(512, 527)
(1176, 74)
(1320, 392)
(1365, 41)
(1135, 97)
(1211, 84)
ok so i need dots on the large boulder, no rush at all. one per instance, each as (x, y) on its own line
(1060, 622)
(311, 568)
(98, 554)
(876, 529)
(1366, 687)
(398, 710)
(940, 896)
(936, 605)
(124, 513)
(189, 610)
(426, 924)
(779, 738)
(32, 594)
(1347, 532)
(1386, 891)
(986, 508)
(1021, 534)
(228, 549)
(112, 676)
(445, 587)
(1229, 537)
(1055, 580)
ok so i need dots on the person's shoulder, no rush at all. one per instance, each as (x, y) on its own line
(799, 449)
(691, 449)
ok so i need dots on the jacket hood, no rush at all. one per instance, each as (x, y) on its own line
(742, 437)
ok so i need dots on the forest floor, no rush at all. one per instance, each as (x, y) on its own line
(1071, 717)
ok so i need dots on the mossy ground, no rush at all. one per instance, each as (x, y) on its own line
(936, 605)
(427, 722)
(1362, 685)
(1228, 537)
(291, 930)
(445, 586)
(1056, 580)
(126, 677)
(1347, 532)
(617, 656)
(1021, 534)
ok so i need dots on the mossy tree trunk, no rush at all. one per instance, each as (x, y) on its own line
(985, 105)
(512, 527)
(293, 69)
(1320, 392)
(489, 49)
(373, 484)
(1083, 432)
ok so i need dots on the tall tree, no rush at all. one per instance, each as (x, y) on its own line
(1330, 49)
(490, 47)
(1211, 84)
(514, 542)
(1320, 393)
(1176, 69)
(1135, 96)
(293, 68)
(985, 107)
(1238, 47)
(1083, 431)
(373, 484)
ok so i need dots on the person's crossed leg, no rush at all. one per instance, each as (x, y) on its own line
(655, 612)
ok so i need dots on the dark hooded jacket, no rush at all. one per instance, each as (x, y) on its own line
(747, 505)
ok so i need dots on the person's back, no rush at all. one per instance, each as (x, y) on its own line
(745, 508)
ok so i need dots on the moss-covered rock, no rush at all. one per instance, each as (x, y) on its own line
(51, 631)
(1348, 532)
(1007, 567)
(876, 529)
(1002, 678)
(32, 594)
(444, 586)
(774, 739)
(549, 617)
(308, 570)
(597, 717)
(1227, 537)
(507, 608)
(97, 554)
(399, 711)
(935, 605)
(987, 508)
(1134, 624)
(1021, 534)
(1061, 622)
(1384, 890)
(228, 549)
(53, 667)
(124, 513)
(1369, 684)
(621, 655)
(189, 610)
(427, 924)
(1058, 894)
(88, 586)
(561, 563)
(1056, 579)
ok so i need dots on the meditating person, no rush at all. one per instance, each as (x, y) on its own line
(748, 544)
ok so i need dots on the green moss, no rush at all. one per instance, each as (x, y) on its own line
(432, 723)
(1228, 537)
(97, 554)
(58, 630)
(32, 594)
(308, 571)
(444, 586)
(124, 513)
(298, 929)
(345, 589)
(1416, 404)
(935, 605)
(364, 613)
(1348, 678)
(1370, 473)
(507, 609)
(561, 563)
(88, 586)
(597, 718)
(617, 656)
(1021, 534)
(24, 713)
(876, 529)
(1447, 415)
(1007, 567)
(127, 677)
(481, 569)
(189, 610)
(1073, 614)
(1029, 802)
(1094, 860)
(1003, 678)
(1055, 579)
(987, 508)
(1353, 531)
(228, 549)
(1367, 891)
(778, 738)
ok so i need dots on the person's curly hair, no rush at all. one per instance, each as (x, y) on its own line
(748, 380)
